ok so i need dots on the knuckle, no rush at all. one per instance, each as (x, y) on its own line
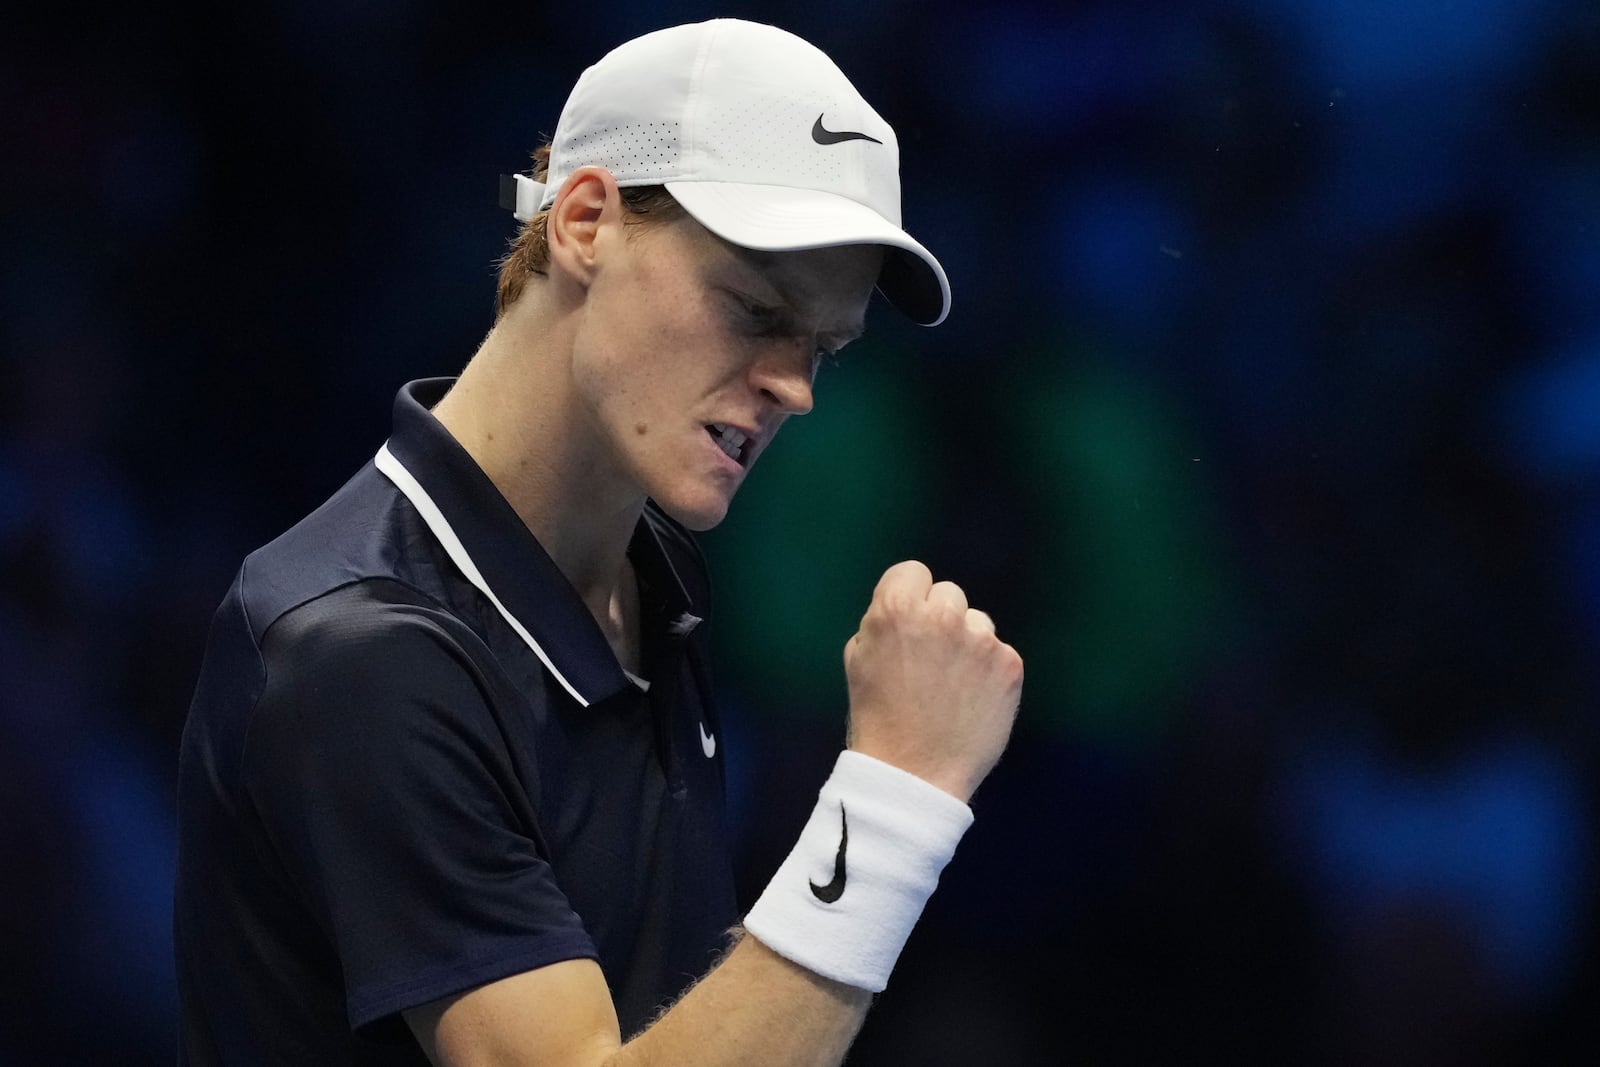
(907, 572)
(892, 605)
(1013, 665)
(877, 630)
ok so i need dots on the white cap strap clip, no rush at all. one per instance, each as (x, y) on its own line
(521, 195)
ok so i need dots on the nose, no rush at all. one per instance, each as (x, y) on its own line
(784, 377)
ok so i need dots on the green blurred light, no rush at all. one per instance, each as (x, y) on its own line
(832, 503)
(1133, 605)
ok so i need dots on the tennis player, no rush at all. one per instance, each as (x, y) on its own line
(452, 784)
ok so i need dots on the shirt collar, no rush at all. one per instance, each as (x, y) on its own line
(495, 551)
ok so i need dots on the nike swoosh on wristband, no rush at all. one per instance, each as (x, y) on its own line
(822, 135)
(835, 889)
(708, 744)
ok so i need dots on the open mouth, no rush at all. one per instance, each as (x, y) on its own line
(731, 441)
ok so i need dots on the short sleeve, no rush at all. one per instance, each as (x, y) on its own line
(386, 790)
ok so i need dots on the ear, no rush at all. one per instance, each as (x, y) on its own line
(588, 203)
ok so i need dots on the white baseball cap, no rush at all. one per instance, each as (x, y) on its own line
(758, 135)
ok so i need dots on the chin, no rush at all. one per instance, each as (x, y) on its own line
(696, 515)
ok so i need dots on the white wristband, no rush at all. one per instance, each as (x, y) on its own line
(845, 900)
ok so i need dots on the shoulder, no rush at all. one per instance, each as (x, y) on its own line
(375, 635)
(364, 672)
(363, 531)
(368, 681)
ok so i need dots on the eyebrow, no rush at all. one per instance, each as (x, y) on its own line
(765, 265)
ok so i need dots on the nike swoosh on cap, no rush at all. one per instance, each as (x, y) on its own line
(708, 743)
(822, 135)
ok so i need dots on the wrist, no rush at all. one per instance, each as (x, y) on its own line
(845, 900)
(959, 783)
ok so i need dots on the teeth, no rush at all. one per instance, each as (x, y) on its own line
(730, 440)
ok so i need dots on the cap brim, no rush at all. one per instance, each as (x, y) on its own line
(771, 218)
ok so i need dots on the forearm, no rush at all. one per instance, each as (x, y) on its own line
(793, 990)
(753, 1007)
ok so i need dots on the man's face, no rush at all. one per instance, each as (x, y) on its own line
(693, 352)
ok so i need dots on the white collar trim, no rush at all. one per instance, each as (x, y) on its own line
(408, 485)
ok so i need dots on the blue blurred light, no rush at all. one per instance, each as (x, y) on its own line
(1117, 244)
(1495, 839)
(1375, 44)
(1016, 71)
(1550, 420)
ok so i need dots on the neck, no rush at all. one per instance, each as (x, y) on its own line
(514, 410)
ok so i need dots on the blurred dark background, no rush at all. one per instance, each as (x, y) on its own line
(1266, 424)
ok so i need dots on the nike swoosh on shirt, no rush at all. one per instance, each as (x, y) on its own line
(822, 135)
(708, 744)
(835, 889)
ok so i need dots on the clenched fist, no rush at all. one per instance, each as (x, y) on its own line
(933, 691)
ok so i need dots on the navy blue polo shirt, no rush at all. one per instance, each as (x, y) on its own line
(413, 765)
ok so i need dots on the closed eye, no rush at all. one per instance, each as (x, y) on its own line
(755, 314)
(767, 320)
